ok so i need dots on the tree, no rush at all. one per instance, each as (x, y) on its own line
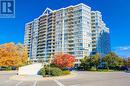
(113, 61)
(64, 60)
(23, 53)
(88, 62)
(85, 63)
(128, 62)
(109, 59)
(120, 61)
(13, 55)
(95, 60)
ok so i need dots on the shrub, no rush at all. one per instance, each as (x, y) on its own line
(48, 70)
(93, 69)
(52, 65)
(66, 72)
(55, 71)
(8, 68)
(42, 72)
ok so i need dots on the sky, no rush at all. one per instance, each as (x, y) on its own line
(116, 15)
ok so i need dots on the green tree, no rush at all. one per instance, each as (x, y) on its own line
(120, 61)
(85, 63)
(109, 59)
(95, 60)
(113, 61)
(128, 62)
(90, 62)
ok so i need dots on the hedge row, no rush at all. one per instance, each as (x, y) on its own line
(53, 71)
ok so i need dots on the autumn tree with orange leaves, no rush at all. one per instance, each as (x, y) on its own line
(13, 55)
(64, 60)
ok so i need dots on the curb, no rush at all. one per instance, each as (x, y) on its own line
(40, 78)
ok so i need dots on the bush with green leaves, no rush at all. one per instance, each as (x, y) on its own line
(93, 69)
(6, 68)
(65, 72)
(55, 71)
(42, 72)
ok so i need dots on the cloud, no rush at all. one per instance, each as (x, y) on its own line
(123, 51)
(123, 48)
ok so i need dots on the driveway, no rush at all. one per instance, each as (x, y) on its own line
(81, 79)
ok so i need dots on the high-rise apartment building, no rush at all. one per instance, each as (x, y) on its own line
(70, 30)
(100, 35)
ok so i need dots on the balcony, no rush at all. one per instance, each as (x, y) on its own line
(40, 50)
(41, 34)
(42, 30)
(41, 40)
(41, 43)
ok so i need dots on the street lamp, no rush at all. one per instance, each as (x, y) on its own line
(50, 64)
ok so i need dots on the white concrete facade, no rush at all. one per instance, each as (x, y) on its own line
(67, 30)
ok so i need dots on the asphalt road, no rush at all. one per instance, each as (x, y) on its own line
(82, 79)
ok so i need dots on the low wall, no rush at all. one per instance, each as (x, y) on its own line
(31, 69)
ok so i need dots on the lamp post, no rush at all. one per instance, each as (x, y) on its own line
(50, 64)
(43, 61)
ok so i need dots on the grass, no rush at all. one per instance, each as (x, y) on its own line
(105, 70)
